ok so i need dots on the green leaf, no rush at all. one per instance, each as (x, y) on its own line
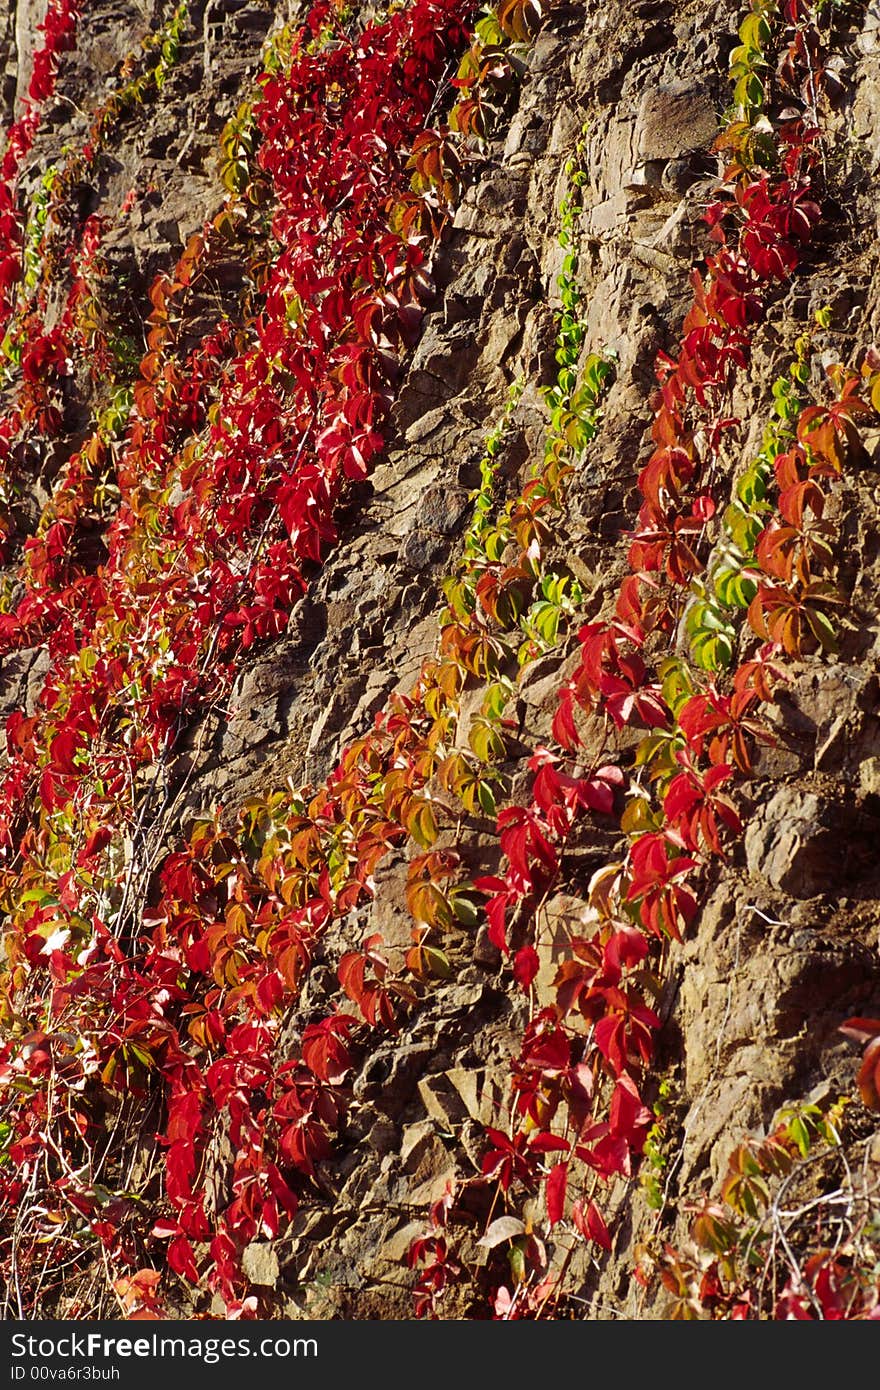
(596, 372)
(637, 816)
(712, 651)
(676, 683)
(465, 910)
(517, 1259)
(822, 630)
(735, 588)
(743, 526)
(495, 543)
(437, 962)
(545, 619)
(495, 700)
(489, 31)
(486, 741)
(40, 896)
(799, 1135)
(748, 93)
(145, 1058)
(755, 32)
(422, 825)
(487, 797)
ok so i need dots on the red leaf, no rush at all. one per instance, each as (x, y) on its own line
(557, 1183)
(548, 1143)
(596, 1228)
(350, 972)
(324, 1050)
(626, 948)
(860, 1029)
(164, 1229)
(628, 1115)
(62, 750)
(868, 1079)
(180, 1258)
(525, 967)
(609, 1155)
(564, 730)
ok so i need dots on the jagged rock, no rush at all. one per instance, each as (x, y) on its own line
(260, 1263)
(391, 1075)
(486, 953)
(791, 845)
(463, 1091)
(673, 119)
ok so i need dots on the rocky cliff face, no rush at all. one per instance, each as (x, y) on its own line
(608, 132)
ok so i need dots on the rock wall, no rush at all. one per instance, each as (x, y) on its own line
(786, 943)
